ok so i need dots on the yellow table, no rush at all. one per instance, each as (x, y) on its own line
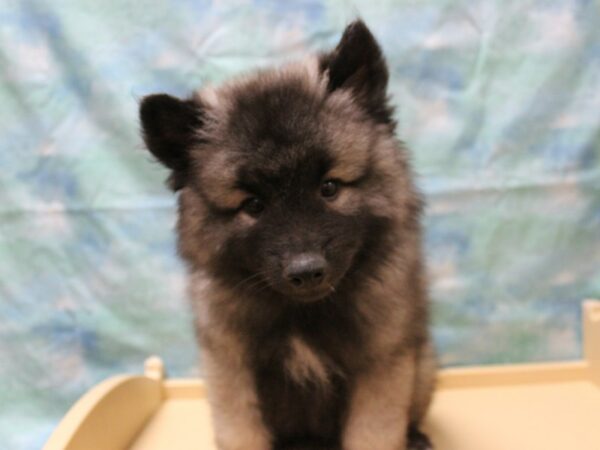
(521, 407)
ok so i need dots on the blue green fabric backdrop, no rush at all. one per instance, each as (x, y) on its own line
(499, 100)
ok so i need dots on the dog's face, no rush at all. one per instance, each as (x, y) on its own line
(288, 176)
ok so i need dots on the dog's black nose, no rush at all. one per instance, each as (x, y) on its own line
(305, 271)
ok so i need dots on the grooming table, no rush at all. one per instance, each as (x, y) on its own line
(516, 407)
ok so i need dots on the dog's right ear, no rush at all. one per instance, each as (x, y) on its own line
(358, 65)
(170, 127)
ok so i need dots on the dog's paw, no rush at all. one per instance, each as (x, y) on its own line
(418, 440)
(308, 446)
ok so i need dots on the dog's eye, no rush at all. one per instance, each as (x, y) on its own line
(329, 188)
(253, 206)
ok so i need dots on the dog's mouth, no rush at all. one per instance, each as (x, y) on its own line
(256, 285)
(305, 278)
(313, 295)
(307, 294)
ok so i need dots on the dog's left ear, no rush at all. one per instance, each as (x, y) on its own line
(170, 128)
(357, 64)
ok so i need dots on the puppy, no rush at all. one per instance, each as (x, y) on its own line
(300, 225)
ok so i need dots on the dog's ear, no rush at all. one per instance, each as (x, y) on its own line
(170, 127)
(357, 64)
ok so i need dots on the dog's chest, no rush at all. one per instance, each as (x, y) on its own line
(301, 390)
(304, 364)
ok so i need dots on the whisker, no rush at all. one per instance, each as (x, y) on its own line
(264, 287)
(250, 280)
(245, 280)
(256, 284)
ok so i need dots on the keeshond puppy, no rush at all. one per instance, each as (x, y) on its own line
(300, 225)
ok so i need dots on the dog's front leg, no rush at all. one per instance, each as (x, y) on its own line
(380, 407)
(236, 416)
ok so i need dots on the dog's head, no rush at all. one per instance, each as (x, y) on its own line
(289, 178)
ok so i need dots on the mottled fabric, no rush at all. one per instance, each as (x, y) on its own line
(499, 100)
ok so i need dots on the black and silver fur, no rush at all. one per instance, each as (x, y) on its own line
(300, 225)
